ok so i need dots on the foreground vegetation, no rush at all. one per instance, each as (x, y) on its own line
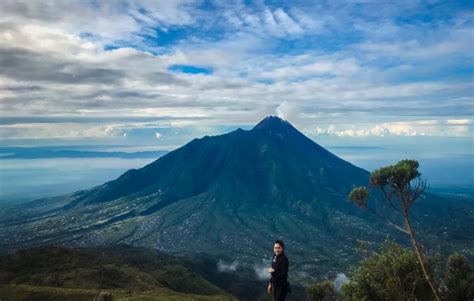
(120, 272)
(43, 293)
(393, 274)
(396, 273)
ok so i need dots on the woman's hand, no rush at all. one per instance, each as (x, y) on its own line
(269, 289)
(271, 270)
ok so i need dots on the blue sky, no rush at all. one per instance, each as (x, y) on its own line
(159, 73)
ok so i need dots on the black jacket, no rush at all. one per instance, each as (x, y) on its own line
(280, 265)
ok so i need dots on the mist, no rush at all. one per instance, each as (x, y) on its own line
(261, 269)
(227, 267)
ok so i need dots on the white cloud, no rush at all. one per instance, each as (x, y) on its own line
(60, 131)
(287, 111)
(459, 121)
(401, 128)
(268, 21)
(105, 22)
(287, 23)
(318, 67)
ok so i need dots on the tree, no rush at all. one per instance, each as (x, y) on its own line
(401, 186)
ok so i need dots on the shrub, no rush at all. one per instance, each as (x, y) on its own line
(393, 273)
(323, 291)
(459, 279)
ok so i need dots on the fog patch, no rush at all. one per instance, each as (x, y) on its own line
(340, 280)
(261, 269)
(227, 267)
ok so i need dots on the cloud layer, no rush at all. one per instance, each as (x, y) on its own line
(353, 69)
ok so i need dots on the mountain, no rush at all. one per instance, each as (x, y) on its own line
(231, 196)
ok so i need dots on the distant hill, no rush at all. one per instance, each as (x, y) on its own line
(41, 153)
(230, 196)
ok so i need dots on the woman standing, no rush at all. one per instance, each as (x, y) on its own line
(279, 273)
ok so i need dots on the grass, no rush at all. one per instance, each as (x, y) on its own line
(43, 293)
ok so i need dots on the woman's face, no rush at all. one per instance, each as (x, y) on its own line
(277, 249)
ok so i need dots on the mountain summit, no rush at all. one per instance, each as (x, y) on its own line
(277, 126)
(274, 124)
(228, 194)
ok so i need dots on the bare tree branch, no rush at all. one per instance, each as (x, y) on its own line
(387, 220)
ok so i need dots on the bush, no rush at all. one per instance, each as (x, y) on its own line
(459, 279)
(323, 291)
(393, 273)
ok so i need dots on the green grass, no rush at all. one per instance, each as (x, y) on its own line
(118, 268)
(40, 293)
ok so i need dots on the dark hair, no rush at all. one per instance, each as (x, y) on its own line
(280, 242)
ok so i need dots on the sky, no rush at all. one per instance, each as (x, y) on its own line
(159, 73)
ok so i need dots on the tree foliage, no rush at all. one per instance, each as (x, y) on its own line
(359, 196)
(398, 175)
(400, 182)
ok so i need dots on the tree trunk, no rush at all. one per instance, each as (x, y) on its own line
(420, 259)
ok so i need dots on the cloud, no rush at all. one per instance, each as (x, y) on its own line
(59, 131)
(401, 128)
(287, 23)
(287, 111)
(104, 22)
(28, 66)
(375, 64)
(314, 67)
(340, 280)
(227, 267)
(459, 121)
(266, 21)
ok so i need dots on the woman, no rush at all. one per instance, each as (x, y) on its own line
(279, 273)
